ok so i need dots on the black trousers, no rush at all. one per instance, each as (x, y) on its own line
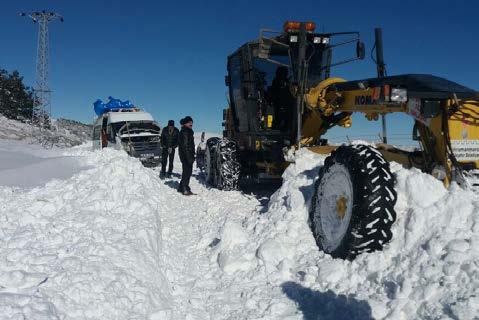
(185, 177)
(165, 156)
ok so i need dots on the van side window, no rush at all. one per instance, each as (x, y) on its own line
(96, 132)
(109, 132)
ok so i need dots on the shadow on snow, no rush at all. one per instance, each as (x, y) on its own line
(326, 305)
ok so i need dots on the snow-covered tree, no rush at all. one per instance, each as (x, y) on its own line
(16, 99)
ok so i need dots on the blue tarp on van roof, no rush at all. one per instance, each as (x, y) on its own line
(112, 104)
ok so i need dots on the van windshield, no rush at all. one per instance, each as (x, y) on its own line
(116, 127)
(139, 127)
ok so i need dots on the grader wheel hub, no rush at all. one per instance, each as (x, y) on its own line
(341, 206)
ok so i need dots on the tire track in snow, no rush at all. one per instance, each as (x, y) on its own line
(190, 227)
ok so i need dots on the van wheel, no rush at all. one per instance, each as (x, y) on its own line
(352, 209)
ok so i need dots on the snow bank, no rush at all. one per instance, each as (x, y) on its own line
(11, 129)
(84, 250)
(113, 241)
(430, 270)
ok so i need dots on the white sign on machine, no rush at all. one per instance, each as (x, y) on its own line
(465, 150)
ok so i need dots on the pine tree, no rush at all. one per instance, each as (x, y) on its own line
(16, 99)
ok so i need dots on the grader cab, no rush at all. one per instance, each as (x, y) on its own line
(281, 98)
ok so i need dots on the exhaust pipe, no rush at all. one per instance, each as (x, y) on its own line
(381, 69)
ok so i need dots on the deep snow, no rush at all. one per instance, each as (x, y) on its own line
(26, 165)
(113, 241)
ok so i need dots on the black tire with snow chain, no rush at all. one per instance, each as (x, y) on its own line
(222, 168)
(352, 209)
(210, 156)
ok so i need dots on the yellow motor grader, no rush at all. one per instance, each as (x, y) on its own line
(282, 97)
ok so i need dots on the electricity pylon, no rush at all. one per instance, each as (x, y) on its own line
(42, 108)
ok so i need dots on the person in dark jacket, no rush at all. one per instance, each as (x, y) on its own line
(169, 142)
(186, 149)
(104, 139)
(281, 98)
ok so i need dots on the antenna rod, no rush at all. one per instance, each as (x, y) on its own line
(302, 70)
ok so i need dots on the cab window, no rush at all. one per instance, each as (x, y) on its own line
(273, 78)
(235, 73)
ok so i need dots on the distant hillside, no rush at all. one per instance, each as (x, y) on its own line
(84, 131)
(64, 132)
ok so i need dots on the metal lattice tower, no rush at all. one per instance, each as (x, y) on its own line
(42, 94)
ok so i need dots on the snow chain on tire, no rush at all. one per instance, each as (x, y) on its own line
(373, 198)
(222, 166)
(210, 159)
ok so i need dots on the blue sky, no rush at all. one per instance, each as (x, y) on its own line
(170, 57)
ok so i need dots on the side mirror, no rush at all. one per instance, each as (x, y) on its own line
(264, 48)
(227, 80)
(360, 50)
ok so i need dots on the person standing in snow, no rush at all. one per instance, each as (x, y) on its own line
(169, 142)
(104, 138)
(186, 150)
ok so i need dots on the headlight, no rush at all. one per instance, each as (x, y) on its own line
(293, 38)
(398, 95)
(320, 40)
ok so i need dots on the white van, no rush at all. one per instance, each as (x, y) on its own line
(132, 130)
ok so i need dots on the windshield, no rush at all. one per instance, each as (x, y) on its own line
(139, 127)
(273, 79)
(266, 69)
(317, 56)
(116, 127)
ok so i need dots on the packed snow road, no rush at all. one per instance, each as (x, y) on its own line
(113, 241)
